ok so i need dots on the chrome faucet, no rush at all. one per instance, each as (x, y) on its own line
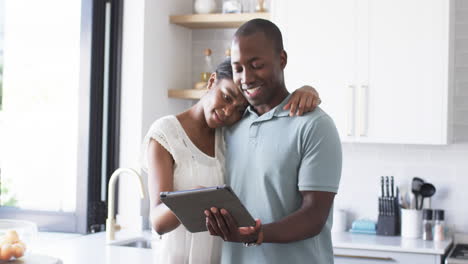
(111, 226)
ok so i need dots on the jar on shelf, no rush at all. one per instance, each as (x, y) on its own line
(248, 6)
(207, 66)
(232, 6)
(207, 69)
(204, 6)
(262, 6)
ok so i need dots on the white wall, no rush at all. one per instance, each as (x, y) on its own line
(156, 57)
(131, 109)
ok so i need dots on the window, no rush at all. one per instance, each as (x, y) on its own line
(58, 111)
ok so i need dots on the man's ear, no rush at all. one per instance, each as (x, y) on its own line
(283, 59)
(211, 81)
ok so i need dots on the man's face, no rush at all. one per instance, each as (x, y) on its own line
(257, 69)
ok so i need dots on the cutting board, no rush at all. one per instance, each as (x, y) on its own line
(36, 259)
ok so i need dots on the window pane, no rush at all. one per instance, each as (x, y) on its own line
(39, 115)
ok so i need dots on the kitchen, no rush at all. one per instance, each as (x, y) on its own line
(158, 56)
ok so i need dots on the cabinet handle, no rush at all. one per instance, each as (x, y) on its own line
(350, 113)
(364, 257)
(363, 110)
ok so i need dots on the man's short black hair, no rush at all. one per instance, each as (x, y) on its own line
(268, 28)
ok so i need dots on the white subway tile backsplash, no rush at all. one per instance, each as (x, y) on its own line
(461, 30)
(461, 103)
(462, 171)
(461, 117)
(461, 16)
(461, 74)
(198, 49)
(438, 174)
(461, 88)
(228, 34)
(460, 133)
(202, 35)
(458, 147)
(363, 164)
(219, 6)
(461, 4)
(461, 45)
(224, 35)
(449, 157)
(461, 59)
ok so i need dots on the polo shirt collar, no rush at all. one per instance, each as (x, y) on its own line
(277, 111)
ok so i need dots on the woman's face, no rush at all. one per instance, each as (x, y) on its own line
(224, 104)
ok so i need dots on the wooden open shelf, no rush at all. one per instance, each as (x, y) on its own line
(205, 21)
(215, 20)
(186, 94)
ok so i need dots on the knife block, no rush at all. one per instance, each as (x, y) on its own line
(388, 223)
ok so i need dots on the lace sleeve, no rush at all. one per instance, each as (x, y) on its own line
(159, 131)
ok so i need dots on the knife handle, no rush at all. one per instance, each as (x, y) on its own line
(387, 187)
(391, 187)
(382, 186)
(380, 206)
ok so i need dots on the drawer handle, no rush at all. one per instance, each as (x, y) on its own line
(363, 257)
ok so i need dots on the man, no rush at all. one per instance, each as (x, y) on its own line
(285, 170)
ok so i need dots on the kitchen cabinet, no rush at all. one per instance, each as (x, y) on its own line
(352, 248)
(354, 256)
(208, 21)
(382, 68)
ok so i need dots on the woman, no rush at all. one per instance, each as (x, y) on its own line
(186, 151)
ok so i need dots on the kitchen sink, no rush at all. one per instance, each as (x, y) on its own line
(136, 243)
(143, 243)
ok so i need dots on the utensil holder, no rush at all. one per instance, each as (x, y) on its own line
(411, 223)
(388, 223)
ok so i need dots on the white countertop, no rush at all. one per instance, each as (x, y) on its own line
(88, 249)
(389, 243)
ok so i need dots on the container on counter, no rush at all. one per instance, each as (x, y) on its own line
(427, 225)
(439, 226)
(411, 223)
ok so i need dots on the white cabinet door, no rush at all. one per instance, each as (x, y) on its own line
(381, 67)
(319, 38)
(404, 84)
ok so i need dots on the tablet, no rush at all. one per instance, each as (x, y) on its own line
(189, 206)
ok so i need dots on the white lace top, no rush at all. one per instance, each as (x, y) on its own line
(192, 167)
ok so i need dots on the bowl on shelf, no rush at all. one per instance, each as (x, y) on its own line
(16, 238)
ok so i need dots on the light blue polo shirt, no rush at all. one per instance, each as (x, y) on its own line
(269, 159)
